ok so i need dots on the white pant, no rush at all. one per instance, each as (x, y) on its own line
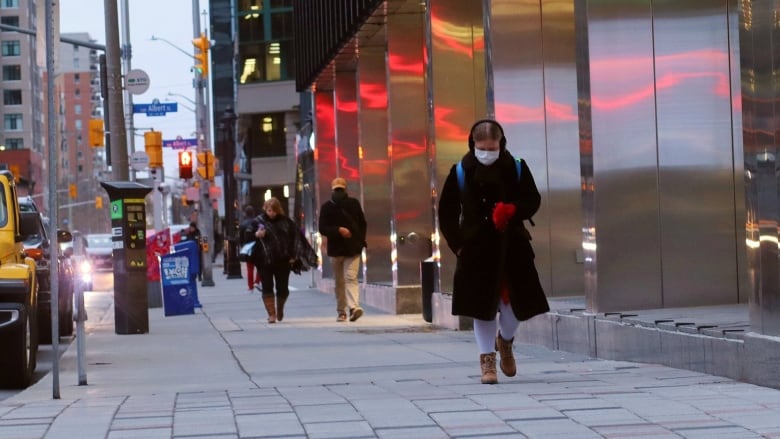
(485, 330)
(345, 271)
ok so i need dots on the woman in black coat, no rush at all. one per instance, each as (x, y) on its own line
(481, 217)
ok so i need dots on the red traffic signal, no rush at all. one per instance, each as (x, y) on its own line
(185, 164)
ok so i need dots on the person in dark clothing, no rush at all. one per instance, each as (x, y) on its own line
(193, 234)
(481, 220)
(343, 223)
(275, 253)
(246, 234)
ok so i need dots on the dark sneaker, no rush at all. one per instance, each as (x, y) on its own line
(342, 317)
(355, 313)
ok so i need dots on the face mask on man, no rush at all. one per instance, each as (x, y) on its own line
(339, 194)
(486, 157)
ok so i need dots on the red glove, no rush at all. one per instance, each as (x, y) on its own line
(502, 213)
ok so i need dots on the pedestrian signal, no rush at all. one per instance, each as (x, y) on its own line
(185, 164)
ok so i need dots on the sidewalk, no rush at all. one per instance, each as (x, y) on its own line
(225, 373)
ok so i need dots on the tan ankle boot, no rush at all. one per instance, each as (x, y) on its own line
(488, 364)
(270, 308)
(504, 348)
(280, 301)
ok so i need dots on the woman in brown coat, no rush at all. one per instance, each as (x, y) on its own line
(481, 214)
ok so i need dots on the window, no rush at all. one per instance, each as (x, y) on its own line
(10, 21)
(78, 124)
(12, 48)
(267, 137)
(12, 122)
(265, 32)
(12, 73)
(77, 109)
(12, 97)
(8, 4)
(76, 78)
(77, 92)
(14, 143)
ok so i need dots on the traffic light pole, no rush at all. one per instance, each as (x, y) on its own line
(205, 210)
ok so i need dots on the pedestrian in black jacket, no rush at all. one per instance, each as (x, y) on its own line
(246, 233)
(482, 222)
(275, 253)
(342, 222)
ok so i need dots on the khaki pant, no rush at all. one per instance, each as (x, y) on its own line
(345, 271)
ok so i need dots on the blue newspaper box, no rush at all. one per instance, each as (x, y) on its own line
(190, 248)
(177, 285)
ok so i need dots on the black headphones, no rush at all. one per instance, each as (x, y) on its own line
(501, 143)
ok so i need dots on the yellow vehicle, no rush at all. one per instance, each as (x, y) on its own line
(18, 295)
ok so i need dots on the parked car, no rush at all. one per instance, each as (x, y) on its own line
(100, 250)
(36, 244)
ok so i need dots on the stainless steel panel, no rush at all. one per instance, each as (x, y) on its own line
(457, 92)
(325, 157)
(411, 220)
(562, 212)
(760, 53)
(624, 208)
(693, 96)
(375, 163)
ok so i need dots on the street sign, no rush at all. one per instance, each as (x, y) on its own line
(136, 81)
(139, 160)
(156, 108)
(180, 143)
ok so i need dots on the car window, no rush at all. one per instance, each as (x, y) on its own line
(31, 227)
(3, 208)
(99, 241)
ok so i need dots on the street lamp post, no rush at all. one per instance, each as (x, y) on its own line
(228, 125)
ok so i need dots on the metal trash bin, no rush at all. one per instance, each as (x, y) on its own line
(427, 283)
(177, 284)
(192, 250)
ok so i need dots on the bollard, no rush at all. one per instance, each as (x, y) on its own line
(427, 282)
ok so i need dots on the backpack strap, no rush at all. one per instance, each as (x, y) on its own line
(462, 175)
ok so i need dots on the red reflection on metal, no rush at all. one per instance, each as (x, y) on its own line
(456, 38)
(405, 149)
(373, 96)
(513, 113)
(446, 128)
(376, 167)
(346, 106)
(326, 134)
(684, 67)
(401, 64)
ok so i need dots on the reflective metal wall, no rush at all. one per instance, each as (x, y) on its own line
(659, 96)
(457, 92)
(372, 122)
(535, 95)
(407, 119)
(324, 155)
(759, 43)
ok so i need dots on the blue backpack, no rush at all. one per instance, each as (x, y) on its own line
(461, 174)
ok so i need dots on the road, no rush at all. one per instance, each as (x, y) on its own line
(102, 284)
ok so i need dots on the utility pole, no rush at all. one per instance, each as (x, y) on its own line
(205, 210)
(119, 163)
(127, 54)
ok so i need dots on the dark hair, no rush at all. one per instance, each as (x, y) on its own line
(487, 129)
(194, 224)
(274, 204)
(249, 211)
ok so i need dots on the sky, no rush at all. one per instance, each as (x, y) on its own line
(168, 68)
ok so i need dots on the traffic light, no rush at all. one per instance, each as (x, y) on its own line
(202, 45)
(185, 164)
(96, 134)
(206, 165)
(98, 202)
(73, 191)
(153, 147)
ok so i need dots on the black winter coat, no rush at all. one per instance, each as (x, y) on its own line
(344, 213)
(487, 255)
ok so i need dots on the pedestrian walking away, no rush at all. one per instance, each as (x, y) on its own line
(485, 200)
(279, 249)
(343, 223)
(193, 234)
(246, 233)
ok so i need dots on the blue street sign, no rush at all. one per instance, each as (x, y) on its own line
(156, 108)
(179, 143)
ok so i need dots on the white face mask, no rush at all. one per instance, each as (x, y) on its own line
(486, 157)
